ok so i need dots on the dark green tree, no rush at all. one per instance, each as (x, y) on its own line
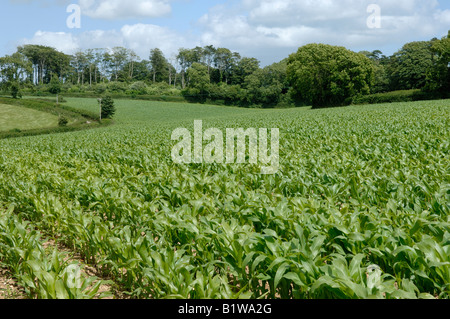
(198, 82)
(55, 85)
(108, 107)
(159, 65)
(15, 90)
(409, 66)
(328, 75)
(266, 86)
(381, 75)
(63, 121)
(243, 68)
(438, 79)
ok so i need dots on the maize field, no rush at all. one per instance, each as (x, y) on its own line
(358, 209)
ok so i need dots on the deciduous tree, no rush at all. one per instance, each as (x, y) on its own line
(328, 75)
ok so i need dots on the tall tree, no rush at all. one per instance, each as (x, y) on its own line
(15, 67)
(209, 53)
(438, 79)
(142, 70)
(79, 63)
(99, 55)
(224, 61)
(158, 62)
(410, 65)
(42, 58)
(381, 77)
(184, 59)
(90, 60)
(117, 59)
(243, 68)
(133, 58)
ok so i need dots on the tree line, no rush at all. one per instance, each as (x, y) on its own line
(317, 74)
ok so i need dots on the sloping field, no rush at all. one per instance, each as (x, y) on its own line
(17, 117)
(359, 207)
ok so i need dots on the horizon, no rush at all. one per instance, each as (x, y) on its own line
(269, 30)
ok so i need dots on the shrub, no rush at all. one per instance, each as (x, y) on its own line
(54, 86)
(100, 88)
(15, 91)
(61, 99)
(138, 87)
(117, 87)
(108, 108)
(62, 121)
(397, 96)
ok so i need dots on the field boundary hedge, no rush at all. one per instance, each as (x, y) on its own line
(399, 96)
(156, 98)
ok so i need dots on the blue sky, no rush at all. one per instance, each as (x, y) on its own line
(266, 29)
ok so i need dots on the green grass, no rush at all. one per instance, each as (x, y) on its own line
(358, 209)
(16, 117)
(135, 111)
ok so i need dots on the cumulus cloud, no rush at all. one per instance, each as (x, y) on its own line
(61, 41)
(124, 9)
(112, 9)
(141, 38)
(268, 28)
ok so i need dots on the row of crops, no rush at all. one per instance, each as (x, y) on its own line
(358, 209)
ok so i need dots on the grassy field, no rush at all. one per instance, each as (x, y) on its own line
(359, 207)
(16, 117)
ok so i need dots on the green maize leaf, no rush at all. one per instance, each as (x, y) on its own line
(295, 278)
(280, 273)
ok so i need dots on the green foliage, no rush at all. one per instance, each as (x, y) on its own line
(117, 87)
(398, 96)
(328, 75)
(409, 66)
(100, 88)
(332, 76)
(265, 86)
(438, 78)
(380, 62)
(138, 87)
(244, 68)
(159, 65)
(15, 90)
(43, 274)
(198, 76)
(30, 117)
(358, 209)
(108, 108)
(55, 85)
(46, 61)
(62, 121)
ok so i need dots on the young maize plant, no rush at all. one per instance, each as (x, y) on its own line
(359, 207)
(43, 274)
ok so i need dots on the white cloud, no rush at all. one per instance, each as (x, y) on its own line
(124, 9)
(61, 41)
(266, 29)
(443, 16)
(141, 38)
(271, 29)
